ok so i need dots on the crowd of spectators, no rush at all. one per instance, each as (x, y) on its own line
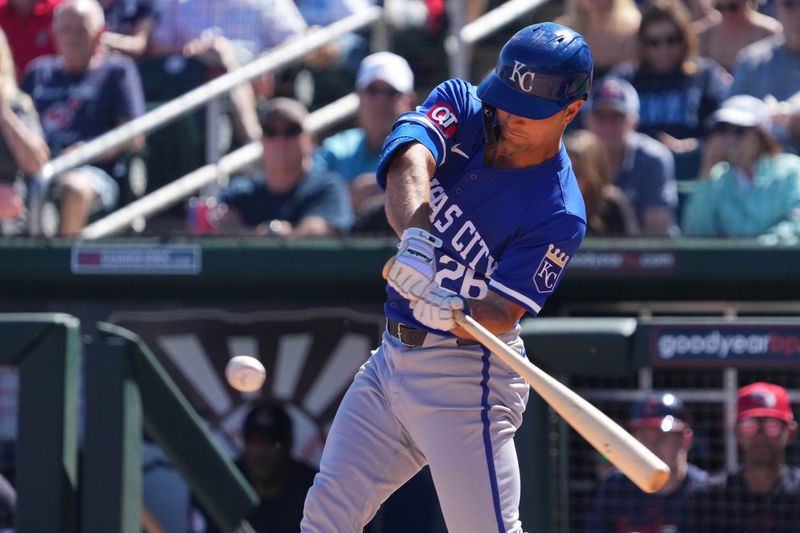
(669, 161)
(761, 494)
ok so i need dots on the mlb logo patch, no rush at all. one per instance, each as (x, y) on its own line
(444, 118)
(550, 269)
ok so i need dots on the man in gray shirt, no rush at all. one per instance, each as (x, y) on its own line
(642, 167)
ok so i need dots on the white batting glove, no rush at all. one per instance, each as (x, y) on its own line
(435, 307)
(415, 263)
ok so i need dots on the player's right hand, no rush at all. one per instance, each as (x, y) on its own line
(414, 266)
(436, 306)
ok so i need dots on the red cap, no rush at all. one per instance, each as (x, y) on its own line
(764, 399)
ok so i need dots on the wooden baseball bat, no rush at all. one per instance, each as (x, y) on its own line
(633, 459)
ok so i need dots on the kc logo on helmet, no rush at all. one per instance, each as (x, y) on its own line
(522, 76)
(550, 269)
(443, 116)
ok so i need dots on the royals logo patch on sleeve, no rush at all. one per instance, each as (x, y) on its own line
(550, 269)
(444, 118)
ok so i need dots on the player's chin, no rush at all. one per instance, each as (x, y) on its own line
(515, 143)
(513, 138)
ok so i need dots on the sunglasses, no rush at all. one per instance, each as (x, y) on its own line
(771, 427)
(377, 91)
(657, 42)
(289, 132)
(730, 7)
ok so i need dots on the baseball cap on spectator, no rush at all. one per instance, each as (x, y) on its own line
(269, 419)
(281, 107)
(388, 67)
(764, 400)
(742, 110)
(663, 410)
(615, 94)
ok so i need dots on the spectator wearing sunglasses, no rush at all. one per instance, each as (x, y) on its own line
(678, 89)
(385, 88)
(763, 494)
(771, 67)
(732, 26)
(288, 198)
(750, 187)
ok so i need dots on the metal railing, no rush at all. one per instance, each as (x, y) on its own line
(458, 46)
(177, 190)
(271, 61)
(463, 36)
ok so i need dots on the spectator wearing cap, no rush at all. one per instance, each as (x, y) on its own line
(749, 187)
(385, 87)
(280, 481)
(659, 421)
(289, 198)
(763, 494)
(771, 67)
(642, 167)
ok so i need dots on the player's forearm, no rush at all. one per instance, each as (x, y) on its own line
(408, 188)
(494, 312)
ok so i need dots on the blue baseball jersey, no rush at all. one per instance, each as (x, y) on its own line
(512, 231)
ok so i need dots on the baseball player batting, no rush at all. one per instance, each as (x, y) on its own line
(482, 194)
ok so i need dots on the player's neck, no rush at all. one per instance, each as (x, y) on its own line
(505, 155)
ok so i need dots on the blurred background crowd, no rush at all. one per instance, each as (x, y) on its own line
(691, 129)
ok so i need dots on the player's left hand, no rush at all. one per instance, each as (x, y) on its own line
(435, 307)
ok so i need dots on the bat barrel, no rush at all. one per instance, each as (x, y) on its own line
(632, 457)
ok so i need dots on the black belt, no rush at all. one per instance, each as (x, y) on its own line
(415, 337)
(405, 334)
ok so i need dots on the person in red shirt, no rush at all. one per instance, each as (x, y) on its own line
(27, 25)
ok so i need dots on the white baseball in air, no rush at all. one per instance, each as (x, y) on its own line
(245, 373)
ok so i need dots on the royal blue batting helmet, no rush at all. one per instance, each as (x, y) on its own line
(541, 69)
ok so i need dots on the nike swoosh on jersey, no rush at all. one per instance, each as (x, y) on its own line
(455, 148)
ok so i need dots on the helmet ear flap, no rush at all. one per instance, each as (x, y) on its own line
(792, 430)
